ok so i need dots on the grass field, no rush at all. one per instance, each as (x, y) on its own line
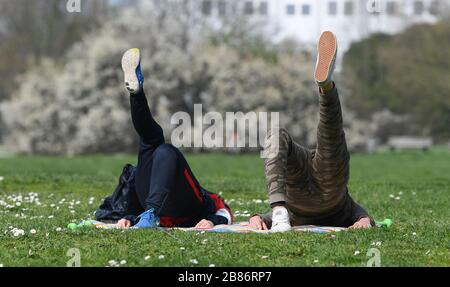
(41, 195)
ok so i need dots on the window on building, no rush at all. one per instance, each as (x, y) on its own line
(222, 7)
(248, 8)
(348, 8)
(263, 8)
(418, 7)
(435, 7)
(392, 7)
(332, 8)
(290, 9)
(206, 7)
(306, 9)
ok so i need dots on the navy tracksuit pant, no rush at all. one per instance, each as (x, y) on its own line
(164, 180)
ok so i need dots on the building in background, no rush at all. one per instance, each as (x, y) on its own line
(350, 20)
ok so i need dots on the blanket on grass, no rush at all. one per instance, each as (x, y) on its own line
(242, 227)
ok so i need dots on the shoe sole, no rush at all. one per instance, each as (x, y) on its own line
(326, 48)
(281, 230)
(130, 61)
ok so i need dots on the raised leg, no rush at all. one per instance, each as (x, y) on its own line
(331, 161)
(150, 132)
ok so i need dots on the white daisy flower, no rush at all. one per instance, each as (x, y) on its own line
(193, 261)
(113, 263)
(17, 232)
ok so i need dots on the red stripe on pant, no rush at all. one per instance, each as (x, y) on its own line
(168, 221)
(193, 186)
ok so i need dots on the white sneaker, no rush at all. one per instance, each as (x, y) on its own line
(280, 220)
(131, 66)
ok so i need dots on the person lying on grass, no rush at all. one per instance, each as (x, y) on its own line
(309, 187)
(167, 190)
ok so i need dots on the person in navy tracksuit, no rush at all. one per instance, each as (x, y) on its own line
(168, 191)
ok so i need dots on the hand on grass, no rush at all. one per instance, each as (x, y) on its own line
(205, 224)
(258, 223)
(362, 223)
(124, 223)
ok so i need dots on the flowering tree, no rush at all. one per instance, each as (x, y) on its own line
(82, 106)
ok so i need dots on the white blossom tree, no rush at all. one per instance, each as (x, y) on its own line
(82, 106)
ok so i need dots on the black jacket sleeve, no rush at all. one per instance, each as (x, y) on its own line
(217, 219)
(358, 212)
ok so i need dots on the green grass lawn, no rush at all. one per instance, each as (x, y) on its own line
(412, 188)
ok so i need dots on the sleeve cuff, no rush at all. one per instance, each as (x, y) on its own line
(217, 219)
(277, 197)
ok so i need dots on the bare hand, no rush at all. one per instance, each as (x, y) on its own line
(362, 223)
(205, 224)
(124, 223)
(258, 223)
